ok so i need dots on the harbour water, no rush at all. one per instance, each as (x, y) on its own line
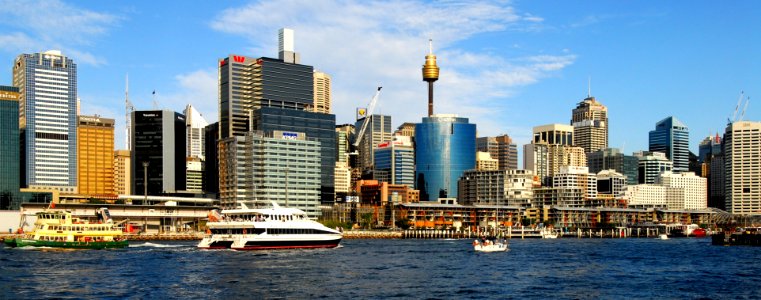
(567, 268)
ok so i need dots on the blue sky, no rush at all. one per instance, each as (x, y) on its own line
(508, 66)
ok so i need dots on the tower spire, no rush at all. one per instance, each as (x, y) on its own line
(430, 74)
(589, 87)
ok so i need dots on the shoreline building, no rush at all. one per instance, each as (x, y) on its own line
(47, 84)
(672, 138)
(278, 166)
(445, 147)
(10, 166)
(693, 190)
(742, 158)
(95, 156)
(496, 187)
(158, 146)
(590, 125)
(501, 148)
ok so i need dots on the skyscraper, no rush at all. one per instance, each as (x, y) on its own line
(47, 120)
(552, 148)
(378, 130)
(590, 125)
(445, 147)
(742, 158)
(395, 161)
(194, 126)
(211, 166)
(10, 182)
(501, 148)
(277, 166)
(322, 94)
(672, 137)
(266, 94)
(95, 162)
(613, 159)
(651, 165)
(122, 172)
(158, 140)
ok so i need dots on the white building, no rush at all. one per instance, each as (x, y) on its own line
(342, 178)
(577, 177)
(611, 182)
(646, 196)
(694, 190)
(194, 125)
(742, 165)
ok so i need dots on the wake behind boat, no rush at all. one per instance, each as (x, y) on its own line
(272, 227)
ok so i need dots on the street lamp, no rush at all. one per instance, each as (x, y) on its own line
(145, 182)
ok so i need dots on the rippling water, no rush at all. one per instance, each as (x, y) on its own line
(419, 269)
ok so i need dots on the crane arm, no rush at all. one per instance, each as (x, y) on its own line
(370, 109)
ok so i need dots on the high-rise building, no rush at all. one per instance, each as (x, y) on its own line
(496, 187)
(10, 183)
(672, 137)
(445, 147)
(552, 148)
(343, 180)
(709, 147)
(195, 125)
(316, 126)
(742, 158)
(590, 125)
(501, 148)
(395, 161)
(194, 175)
(95, 162)
(613, 159)
(577, 178)
(266, 94)
(158, 146)
(484, 162)
(47, 84)
(211, 165)
(694, 190)
(651, 165)
(378, 131)
(122, 172)
(322, 93)
(406, 129)
(344, 134)
(278, 166)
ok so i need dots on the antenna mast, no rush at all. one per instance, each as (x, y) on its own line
(128, 108)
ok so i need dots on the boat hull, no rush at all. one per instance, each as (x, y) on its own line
(19, 242)
(271, 244)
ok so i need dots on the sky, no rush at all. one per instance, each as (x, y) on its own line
(506, 65)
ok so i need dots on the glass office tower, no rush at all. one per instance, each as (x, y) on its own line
(445, 147)
(672, 137)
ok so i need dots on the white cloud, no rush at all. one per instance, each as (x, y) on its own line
(198, 88)
(43, 25)
(366, 44)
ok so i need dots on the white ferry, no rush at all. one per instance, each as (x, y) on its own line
(265, 228)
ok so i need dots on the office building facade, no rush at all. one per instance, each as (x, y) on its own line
(278, 166)
(500, 148)
(496, 187)
(590, 125)
(445, 147)
(122, 172)
(613, 159)
(742, 158)
(322, 93)
(552, 148)
(10, 166)
(694, 190)
(195, 125)
(395, 161)
(672, 137)
(95, 163)
(651, 165)
(211, 165)
(47, 84)
(378, 130)
(158, 140)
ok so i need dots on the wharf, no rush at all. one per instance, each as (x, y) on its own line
(736, 239)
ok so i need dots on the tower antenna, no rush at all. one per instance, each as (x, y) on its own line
(128, 109)
(589, 87)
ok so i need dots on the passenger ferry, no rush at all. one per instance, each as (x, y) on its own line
(271, 227)
(58, 229)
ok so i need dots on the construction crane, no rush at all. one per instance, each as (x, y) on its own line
(129, 108)
(742, 115)
(369, 114)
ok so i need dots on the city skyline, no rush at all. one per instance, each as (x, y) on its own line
(502, 64)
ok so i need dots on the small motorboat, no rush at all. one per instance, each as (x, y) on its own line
(663, 236)
(499, 245)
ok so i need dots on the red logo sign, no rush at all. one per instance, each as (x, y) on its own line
(239, 59)
(222, 62)
(259, 61)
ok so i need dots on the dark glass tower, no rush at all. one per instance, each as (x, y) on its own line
(159, 139)
(613, 159)
(211, 171)
(672, 137)
(445, 147)
(10, 172)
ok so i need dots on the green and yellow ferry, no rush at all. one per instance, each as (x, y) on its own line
(58, 229)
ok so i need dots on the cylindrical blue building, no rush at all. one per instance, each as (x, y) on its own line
(445, 147)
